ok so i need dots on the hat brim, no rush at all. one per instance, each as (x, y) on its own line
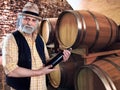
(30, 15)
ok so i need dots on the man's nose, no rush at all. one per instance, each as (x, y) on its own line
(29, 22)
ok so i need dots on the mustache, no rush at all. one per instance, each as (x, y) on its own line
(29, 27)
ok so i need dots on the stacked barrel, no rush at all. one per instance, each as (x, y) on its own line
(94, 63)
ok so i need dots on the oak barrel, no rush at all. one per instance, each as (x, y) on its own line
(77, 28)
(47, 29)
(64, 76)
(103, 74)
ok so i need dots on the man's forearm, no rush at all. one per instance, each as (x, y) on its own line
(23, 72)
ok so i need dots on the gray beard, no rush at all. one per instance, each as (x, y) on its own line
(28, 29)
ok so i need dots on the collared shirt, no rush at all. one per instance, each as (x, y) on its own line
(10, 59)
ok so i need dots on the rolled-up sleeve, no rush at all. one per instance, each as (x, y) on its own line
(9, 54)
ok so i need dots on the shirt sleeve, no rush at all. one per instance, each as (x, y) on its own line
(9, 54)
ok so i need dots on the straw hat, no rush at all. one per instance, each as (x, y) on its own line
(31, 9)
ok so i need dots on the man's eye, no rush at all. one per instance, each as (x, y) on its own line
(34, 20)
(26, 19)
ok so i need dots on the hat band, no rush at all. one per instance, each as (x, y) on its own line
(32, 13)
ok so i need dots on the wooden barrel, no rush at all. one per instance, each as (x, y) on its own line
(47, 29)
(104, 74)
(118, 33)
(85, 28)
(64, 76)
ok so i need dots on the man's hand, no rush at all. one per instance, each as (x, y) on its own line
(66, 54)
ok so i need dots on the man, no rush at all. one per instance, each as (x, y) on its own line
(24, 53)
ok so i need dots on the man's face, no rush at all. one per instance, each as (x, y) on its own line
(29, 24)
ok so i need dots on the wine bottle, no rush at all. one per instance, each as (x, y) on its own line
(57, 59)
